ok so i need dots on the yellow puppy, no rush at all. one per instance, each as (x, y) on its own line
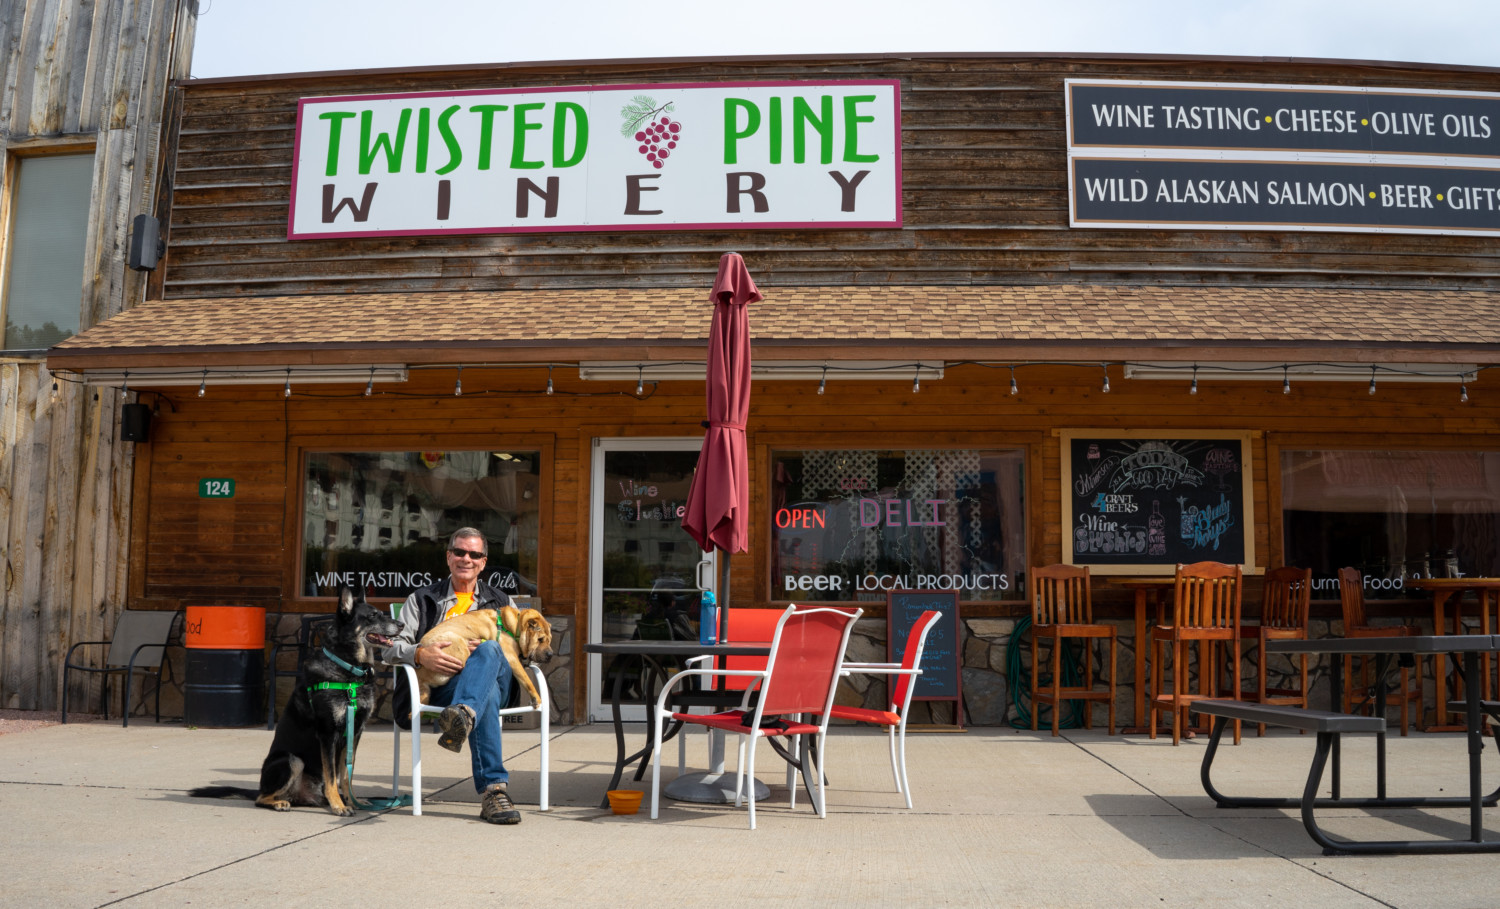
(527, 635)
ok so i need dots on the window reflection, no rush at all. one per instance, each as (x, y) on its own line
(851, 525)
(1395, 515)
(383, 519)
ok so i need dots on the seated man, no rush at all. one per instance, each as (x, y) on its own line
(481, 687)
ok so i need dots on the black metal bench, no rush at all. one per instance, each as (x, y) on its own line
(1329, 727)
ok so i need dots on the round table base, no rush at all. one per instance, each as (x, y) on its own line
(709, 788)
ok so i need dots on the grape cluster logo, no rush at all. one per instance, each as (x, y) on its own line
(657, 135)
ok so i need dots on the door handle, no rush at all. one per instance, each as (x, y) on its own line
(705, 567)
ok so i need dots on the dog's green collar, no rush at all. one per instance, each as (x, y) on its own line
(500, 626)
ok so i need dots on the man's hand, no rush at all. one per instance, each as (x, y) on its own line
(436, 658)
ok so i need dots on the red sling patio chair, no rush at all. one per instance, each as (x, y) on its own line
(802, 672)
(904, 680)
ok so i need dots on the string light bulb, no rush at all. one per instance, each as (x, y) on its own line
(1286, 382)
(916, 380)
(458, 383)
(1105, 368)
(1193, 389)
(640, 380)
(54, 390)
(1013, 389)
(203, 384)
(1372, 380)
(823, 382)
(287, 391)
(549, 378)
(370, 385)
(125, 388)
(1463, 392)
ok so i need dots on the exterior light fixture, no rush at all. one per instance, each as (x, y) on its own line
(370, 385)
(916, 381)
(549, 378)
(823, 382)
(1193, 389)
(1286, 382)
(1013, 389)
(1463, 392)
(1105, 368)
(640, 380)
(1372, 380)
(203, 384)
(287, 390)
(458, 383)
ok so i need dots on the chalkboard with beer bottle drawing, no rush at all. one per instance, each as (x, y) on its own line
(1140, 503)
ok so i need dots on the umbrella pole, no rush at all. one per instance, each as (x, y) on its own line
(723, 595)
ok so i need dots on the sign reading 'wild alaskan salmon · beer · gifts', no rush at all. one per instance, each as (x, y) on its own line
(628, 157)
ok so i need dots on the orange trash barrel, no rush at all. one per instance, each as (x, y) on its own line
(225, 676)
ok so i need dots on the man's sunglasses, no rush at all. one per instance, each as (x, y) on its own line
(476, 556)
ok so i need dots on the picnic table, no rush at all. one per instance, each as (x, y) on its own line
(1330, 725)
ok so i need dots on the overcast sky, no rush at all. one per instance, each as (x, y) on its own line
(245, 37)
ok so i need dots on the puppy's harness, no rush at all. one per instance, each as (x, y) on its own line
(381, 804)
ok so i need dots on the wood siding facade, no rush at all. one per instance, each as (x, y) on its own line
(984, 158)
(79, 76)
(985, 203)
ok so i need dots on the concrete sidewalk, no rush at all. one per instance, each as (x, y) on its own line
(98, 815)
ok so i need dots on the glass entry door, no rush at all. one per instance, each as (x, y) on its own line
(646, 574)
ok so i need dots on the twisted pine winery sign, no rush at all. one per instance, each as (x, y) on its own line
(629, 157)
(1232, 156)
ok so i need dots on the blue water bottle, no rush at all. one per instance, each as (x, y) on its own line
(708, 619)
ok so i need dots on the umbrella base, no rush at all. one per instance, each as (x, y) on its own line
(709, 788)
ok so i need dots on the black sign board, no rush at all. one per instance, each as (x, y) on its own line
(942, 656)
(1136, 192)
(1294, 118)
(1140, 503)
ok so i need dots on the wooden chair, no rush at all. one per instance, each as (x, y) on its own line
(1283, 617)
(1061, 608)
(1205, 610)
(1352, 599)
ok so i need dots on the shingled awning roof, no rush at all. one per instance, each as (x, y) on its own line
(989, 322)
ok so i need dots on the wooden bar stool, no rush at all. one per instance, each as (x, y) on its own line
(1205, 611)
(1062, 607)
(1352, 599)
(1283, 616)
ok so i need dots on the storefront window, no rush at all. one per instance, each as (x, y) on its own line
(382, 519)
(851, 525)
(1395, 515)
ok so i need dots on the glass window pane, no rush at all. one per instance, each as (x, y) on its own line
(1395, 515)
(44, 291)
(850, 525)
(383, 519)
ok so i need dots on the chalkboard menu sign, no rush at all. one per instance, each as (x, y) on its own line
(942, 656)
(1141, 502)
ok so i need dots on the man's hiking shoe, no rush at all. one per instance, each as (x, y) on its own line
(496, 806)
(455, 722)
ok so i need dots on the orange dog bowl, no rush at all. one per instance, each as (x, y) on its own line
(624, 801)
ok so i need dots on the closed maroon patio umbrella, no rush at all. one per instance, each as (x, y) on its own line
(718, 504)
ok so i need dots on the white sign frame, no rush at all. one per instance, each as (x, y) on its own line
(795, 164)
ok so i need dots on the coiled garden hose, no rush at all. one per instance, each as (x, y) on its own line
(1019, 680)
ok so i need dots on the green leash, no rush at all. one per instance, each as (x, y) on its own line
(378, 804)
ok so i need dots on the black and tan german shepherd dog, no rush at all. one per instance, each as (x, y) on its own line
(311, 749)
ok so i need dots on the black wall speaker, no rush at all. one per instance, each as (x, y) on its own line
(146, 246)
(135, 423)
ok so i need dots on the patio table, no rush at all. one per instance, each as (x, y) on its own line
(1486, 591)
(656, 654)
(1470, 647)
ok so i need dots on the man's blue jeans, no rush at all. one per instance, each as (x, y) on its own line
(486, 685)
